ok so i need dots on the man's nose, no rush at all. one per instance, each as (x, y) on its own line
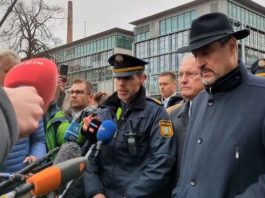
(200, 60)
(183, 79)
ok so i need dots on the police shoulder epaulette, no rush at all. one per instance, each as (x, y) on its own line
(176, 106)
(154, 100)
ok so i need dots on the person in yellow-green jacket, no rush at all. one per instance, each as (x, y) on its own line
(59, 126)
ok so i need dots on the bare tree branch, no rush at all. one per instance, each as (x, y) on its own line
(9, 10)
(28, 30)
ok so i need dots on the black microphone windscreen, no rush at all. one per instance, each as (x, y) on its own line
(91, 132)
(68, 150)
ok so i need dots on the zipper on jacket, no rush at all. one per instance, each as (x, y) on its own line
(238, 168)
(237, 153)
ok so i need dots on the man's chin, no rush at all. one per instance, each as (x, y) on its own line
(208, 81)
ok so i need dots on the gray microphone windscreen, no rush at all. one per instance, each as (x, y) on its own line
(68, 150)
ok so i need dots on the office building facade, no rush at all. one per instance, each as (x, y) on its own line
(87, 58)
(157, 37)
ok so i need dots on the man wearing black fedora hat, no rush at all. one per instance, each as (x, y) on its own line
(224, 149)
(137, 162)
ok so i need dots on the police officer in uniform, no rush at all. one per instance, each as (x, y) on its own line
(137, 162)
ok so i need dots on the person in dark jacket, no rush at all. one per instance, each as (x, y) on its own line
(168, 87)
(224, 149)
(190, 85)
(137, 162)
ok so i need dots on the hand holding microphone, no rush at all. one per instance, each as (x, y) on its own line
(90, 128)
(27, 105)
(81, 124)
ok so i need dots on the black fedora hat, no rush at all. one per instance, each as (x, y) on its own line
(209, 28)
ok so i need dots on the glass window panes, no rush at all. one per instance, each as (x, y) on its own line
(162, 27)
(180, 22)
(168, 26)
(187, 20)
(174, 24)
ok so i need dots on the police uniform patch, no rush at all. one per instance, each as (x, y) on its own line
(166, 129)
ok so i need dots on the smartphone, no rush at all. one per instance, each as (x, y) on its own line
(64, 72)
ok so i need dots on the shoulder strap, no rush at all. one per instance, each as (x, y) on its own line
(156, 101)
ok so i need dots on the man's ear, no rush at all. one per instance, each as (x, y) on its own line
(143, 78)
(233, 44)
(90, 98)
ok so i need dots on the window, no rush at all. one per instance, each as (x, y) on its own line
(174, 24)
(174, 64)
(187, 20)
(162, 45)
(167, 63)
(153, 47)
(173, 42)
(161, 67)
(162, 27)
(167, 43)
(180, 40)
(168, 26)
(180, 22)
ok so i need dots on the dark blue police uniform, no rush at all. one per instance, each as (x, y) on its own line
(141, 169)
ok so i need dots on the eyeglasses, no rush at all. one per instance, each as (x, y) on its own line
(77, 92)
(188, 74)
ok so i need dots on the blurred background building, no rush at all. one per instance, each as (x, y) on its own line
(156, 39)
(87, 58)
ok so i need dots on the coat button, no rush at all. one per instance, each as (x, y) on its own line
(199, 141)
(192, 182)
(210, 102)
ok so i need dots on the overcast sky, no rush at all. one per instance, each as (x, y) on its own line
(93, 16)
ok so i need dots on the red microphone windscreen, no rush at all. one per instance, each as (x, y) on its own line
(40, 73)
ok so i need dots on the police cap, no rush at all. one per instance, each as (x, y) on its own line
(125, 65)
(258, 67)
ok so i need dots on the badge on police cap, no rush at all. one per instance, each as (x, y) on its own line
(261, 63)
(166, 129)
(119, 58)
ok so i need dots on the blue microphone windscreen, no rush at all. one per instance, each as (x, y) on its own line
(106, 131)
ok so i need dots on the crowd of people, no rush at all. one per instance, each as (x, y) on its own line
(205, 141)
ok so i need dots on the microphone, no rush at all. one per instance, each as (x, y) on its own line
(40, 73)
(72, 131)
(105, 134)
(12, 176)
(68, 150)
(53, 177)
(29, 167)
(91, 132)
(106, 131)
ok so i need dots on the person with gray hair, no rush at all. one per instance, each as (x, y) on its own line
(190, 85)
